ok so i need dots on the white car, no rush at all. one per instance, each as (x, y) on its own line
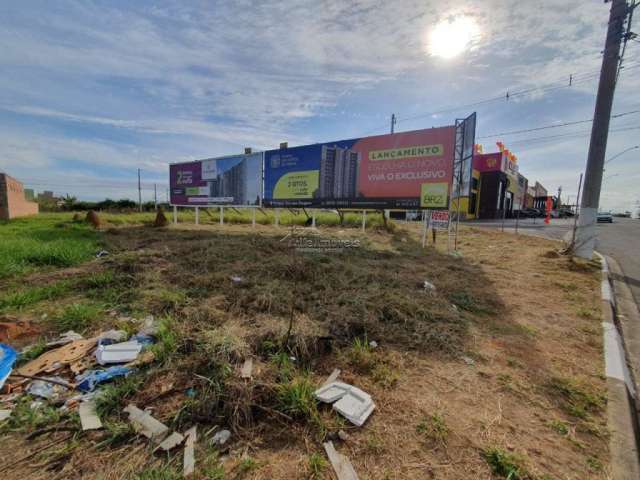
(605, 217)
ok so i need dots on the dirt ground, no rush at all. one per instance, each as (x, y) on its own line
(498, 370)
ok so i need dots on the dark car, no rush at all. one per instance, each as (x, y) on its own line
(529, 213)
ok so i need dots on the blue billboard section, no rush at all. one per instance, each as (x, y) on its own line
(292, 176)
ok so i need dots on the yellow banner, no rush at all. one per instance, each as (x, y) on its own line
(406, 152)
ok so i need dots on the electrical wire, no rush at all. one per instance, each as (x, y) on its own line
(555, 125)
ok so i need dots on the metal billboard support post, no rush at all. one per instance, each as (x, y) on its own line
(313, 220)
(197, 215)
(424, 229)
(277, 217)
(221, 215)
(253, 218)
(364, 220)
(175, 215)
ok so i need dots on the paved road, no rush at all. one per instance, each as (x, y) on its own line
(620, 240)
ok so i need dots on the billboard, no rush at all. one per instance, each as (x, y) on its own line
(463, 161)
(233, 180)
(408, 170)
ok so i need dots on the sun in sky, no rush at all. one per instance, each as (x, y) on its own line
(452, 36)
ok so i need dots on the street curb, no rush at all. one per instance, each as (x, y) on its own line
(621, 405)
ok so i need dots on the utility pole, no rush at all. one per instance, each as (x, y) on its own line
(139, 193)
(586, 232)
(393, 121)
(155, 196)
(558, 202)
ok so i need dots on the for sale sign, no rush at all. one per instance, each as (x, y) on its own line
(439, 219)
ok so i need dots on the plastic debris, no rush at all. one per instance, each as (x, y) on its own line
(4, 414)
(87, 381)
(247, 368)
(341, 464)
(236, 279)
(150, 327)
(88, 417)
(171, 441)
(114, 335)
(118, 352)
(102, 253)
(351, 402)
(144, 340)
(221, 437)
(7, 358)
(66, 337)
(146, 425)
(189, 461)
(50, 391)
(373, 344)
(429, 287)
(468, 360)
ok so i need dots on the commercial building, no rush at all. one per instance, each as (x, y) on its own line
(497, 187)
(12, 200)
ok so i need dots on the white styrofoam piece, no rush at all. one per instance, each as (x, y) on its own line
(118, 352)
(333, 391)
(351, 402)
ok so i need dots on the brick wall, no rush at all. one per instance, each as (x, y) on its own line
(12, 201)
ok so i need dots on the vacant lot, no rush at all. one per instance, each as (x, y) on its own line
(495, 372)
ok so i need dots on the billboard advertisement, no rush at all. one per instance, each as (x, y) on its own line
(233, 180)
(408, 170)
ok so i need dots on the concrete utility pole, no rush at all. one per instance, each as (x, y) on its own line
(586, 232)
(139, 193)
(393, 121)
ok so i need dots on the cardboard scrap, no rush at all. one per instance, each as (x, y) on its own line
(53, 359)
(88, 417)
(341, 464)
(146, 425)
(247, 368)
(189, 461)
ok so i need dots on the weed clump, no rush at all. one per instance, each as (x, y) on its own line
(504, 464)
(434, 428)
(575, 398)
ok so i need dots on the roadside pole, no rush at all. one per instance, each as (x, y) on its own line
(139, 193)
(586, 231)
(155, 196)
(575, 215)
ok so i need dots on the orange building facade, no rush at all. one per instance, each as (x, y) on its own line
(12, 200)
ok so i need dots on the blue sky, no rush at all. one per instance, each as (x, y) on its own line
(91, 91)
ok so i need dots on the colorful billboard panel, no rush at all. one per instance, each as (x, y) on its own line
(408, 170)
(234, 180)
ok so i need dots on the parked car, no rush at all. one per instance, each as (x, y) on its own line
(605, 217)
(529, 213)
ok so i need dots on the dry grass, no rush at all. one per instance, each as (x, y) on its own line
(506, 303)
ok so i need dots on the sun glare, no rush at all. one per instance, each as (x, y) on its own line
(451, 37)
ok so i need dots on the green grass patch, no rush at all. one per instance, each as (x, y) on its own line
(77, 316)
(46, 240)
(114, 395)
(316, 466)
(26, 418)
(29, 296)
(295, 398)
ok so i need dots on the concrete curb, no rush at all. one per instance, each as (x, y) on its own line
(621, 404)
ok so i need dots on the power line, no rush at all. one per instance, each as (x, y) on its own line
(583, 133)
(554, 125)
(573, 80)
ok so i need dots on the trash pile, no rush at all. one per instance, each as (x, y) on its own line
(69, 373)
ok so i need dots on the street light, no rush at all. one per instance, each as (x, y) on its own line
(622, 153)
